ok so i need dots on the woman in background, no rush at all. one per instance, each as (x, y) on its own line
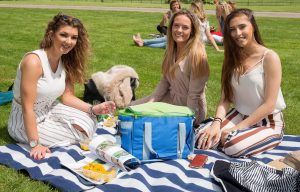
(206, 36)
(174, 7)
(222, 10)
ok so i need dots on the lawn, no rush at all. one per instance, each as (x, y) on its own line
(111, 40)
(257, 5)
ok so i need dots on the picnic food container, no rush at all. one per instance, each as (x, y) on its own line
(110, 121)
(98, 172)
(84, 145)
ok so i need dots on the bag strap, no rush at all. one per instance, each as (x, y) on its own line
(148, 151)
(181, 139)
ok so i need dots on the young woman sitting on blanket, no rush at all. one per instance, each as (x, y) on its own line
(251, 78)
(185, 69)
(43, 76)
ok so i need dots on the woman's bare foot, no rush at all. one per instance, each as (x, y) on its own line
(138, 41)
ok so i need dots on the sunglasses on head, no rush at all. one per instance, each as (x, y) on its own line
(69, 19)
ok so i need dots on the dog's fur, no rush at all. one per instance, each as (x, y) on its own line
(117, 84)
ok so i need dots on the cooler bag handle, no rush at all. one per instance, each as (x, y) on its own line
(181, 139)
(149, 152)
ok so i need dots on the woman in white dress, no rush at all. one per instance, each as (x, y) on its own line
(44, 76)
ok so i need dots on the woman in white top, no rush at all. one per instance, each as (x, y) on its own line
(206, 36)
(251, 78)
(43, 76)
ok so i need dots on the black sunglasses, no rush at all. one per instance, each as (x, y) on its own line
(69, 19)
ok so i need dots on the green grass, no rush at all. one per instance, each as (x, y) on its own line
(256, 5)
(111, 39)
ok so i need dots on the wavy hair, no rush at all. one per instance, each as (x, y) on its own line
(234, 55)
(194, 49)
(74, 61)
(198, 9)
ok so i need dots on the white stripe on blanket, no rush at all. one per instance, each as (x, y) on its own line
(174, 175)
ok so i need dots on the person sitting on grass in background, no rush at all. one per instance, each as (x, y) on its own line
(251, 78)
(204, 30)
(44, 75)
(222, 10)
(207, 37)
(185, 69)
(174, 7)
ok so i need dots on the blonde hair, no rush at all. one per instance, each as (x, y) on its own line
(198, 9)
(226, 8)
(194, 49)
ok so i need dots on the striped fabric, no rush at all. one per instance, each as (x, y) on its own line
(173, 175)
(255, 177)
(254, 140)
(55, 124)
(260, 178)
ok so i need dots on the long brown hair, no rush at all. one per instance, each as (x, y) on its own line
(194, 49)
(75, 61)
(234, 55)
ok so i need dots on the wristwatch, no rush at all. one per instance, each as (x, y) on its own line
(33, 143)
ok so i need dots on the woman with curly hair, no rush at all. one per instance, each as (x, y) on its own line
(45, 75)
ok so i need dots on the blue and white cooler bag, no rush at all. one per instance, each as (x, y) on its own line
(157, 130)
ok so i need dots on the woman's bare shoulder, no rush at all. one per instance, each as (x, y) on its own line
(31, 61)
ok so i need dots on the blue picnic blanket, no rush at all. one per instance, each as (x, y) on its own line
(173, 175)
(6, 97)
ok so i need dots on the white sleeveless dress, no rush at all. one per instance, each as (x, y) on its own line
(54, 120)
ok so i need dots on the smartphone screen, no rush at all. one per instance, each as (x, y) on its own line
(198, 161)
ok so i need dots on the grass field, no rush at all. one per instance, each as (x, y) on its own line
(257, 5)
(111, 39)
